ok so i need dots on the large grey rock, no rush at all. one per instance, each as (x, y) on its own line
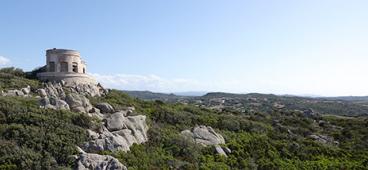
(13, 93)
(105, 108)
(53, 103)
(278, 106)
(220, 150)
(55, 90)
(42, 92)
(310, 113)
(49, 106)
(62, 105)
(94, 112)
(78, 103)
(89, 161)
(206, 136)
(324, 139)
(120, 133)
(44, 102)
(53, 95)
(116, 121)
(26, 90)
(92, 134)
(92, 90)
(106, 140)
(137, 124)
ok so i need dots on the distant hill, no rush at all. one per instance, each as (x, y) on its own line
(348, 98)
(190, 93)
(147, 95)
(252, 102)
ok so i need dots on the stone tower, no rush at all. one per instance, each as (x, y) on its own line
(65, 65)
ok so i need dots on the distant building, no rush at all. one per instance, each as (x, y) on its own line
(65, 65)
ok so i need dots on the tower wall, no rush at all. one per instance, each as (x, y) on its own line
(59, 59)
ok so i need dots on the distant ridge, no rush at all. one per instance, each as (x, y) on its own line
(190, 93)
(149, 95)
(345, 105)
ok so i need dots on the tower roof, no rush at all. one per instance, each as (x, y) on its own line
(62, 51)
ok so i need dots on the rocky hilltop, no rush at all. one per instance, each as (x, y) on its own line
(119, 131)
(59, 126)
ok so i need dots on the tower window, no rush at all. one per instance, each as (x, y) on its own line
(51, 66)
(75, 67)
(64, 67)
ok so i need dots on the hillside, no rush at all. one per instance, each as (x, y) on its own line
(254, 102)
(147, 95)
(254, 131)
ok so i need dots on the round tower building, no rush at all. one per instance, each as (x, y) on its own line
(66, 65)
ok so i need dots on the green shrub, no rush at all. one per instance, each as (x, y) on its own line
(13, 71)
(14, 78)
(34, 138)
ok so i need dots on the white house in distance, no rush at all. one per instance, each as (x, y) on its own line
(65, 65)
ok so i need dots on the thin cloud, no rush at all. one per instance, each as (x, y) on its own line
(4, 61)
(148, 82)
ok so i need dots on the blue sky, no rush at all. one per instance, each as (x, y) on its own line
(269, 46)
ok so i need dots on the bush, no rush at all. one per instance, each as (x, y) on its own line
(12, 71)
(14, 78)
(34, 138)
(34, 72)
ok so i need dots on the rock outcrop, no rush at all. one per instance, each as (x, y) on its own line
(310, 113)
(78, 103)
(93, 90)
(119, 133)
(53, 103)
(26, 90)
(206, 136)
(23, 92)
(324, 139)
(89, 161)
(57, 89)
(105, 108)
(278, 106)
(60, 96)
